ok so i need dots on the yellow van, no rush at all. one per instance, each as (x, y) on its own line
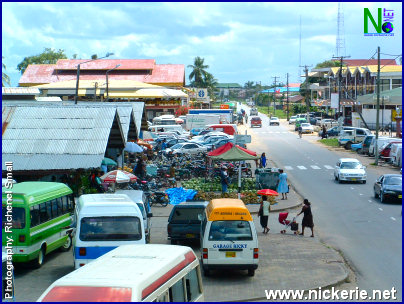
(228, 237)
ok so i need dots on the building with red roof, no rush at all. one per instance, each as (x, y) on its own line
(143, 70)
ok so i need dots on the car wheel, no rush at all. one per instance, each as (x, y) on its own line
(348, 145)
(206, 272)
(40, 259)
(364, 182)
(67, 245)
(359, 151)
(335, 177)
(251, 272)
(382, 200)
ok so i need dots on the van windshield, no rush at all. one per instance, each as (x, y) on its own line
(186, 215)
(110, 228)
(230, 231)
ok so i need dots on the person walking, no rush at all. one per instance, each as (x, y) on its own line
(263, 213)
(224, 179)
(139, 169)
(246, 118)
(324, 133)
(307, 217)
(283, 187)
(300, 130)
(263, 160)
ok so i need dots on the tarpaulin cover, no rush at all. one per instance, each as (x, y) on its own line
(232, 152)
(179, 195)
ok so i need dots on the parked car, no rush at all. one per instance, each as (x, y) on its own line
(386, 148)
(298, 122)
(333, 131)
(184, 222)
(328, 123)
(307, 128)
(380, 142)
(255, 121)
(389, 188)
(212, 141)
(174, 141)
(396, 154)
(351, 136)
(196, 131)
(292, 119)
(188, 148)
(274, 121)
(366, 144)
(350, 169)
(204, 138)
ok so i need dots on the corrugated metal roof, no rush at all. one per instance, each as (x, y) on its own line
(54, 162)
(19, 91)
(106, 64)
(137, 113)
(46, 133)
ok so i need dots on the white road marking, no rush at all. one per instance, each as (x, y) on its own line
(360, 194)
(288, 168)
(329, 167)
(302, 167)
(352, 188)
(393, 218)
(370, 201)
(380, 209)
(316, 167)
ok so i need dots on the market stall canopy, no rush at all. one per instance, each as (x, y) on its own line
(132, 147)
(108, 162)
(118, 176)
(268, 192)
(232, 152)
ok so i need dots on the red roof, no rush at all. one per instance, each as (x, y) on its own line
(130, 69)
(360, 62)
(227, 147)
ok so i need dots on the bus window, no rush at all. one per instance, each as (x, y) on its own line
(35, 216)
(49, 210)
(56, 210)
(43, 214)
(177, 292)
(192, 285)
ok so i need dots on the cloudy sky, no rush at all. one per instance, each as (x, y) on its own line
(239, 41)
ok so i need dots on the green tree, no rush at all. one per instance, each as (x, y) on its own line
(4, 77)
(48, 56)
(93, 57)
(210, 83)
(329, 64)
(198, 73)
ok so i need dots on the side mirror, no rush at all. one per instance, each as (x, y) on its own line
(149, 214)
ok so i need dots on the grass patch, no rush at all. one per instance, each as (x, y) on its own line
(278, 113)
(332, 142)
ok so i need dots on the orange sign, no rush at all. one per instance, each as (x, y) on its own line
(224, 106)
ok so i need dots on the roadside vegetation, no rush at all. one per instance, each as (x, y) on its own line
(332, 142)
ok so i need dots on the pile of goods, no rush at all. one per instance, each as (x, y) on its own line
(246, 197)
(201, 184)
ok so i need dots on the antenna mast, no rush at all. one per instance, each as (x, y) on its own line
(340, 46)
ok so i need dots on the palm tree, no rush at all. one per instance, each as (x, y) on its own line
(249, 86)
(4, 77)
(198, 72)
(210, 83)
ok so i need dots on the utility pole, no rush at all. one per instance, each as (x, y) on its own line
(274, 95)
(306, 99)
(95, 91)
(377, 106)
(287, 96)
(341, 58)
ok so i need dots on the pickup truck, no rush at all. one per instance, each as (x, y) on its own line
(184, 221)
(355, 135)
(253, 112)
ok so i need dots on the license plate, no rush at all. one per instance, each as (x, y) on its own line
(400, 196)
(230, 254)
(353, 179)
(189, 235)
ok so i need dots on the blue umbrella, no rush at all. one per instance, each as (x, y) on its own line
(108, 162)
(132, 147)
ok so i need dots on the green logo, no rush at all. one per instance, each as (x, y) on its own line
(383, 25)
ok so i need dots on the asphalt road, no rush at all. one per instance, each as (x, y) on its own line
(346, 216)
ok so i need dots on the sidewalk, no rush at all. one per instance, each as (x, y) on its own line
(286, 262)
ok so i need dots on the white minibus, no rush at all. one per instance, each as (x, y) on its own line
(104, 222)
(133, 273)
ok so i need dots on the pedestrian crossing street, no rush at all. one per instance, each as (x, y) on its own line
(313, 167)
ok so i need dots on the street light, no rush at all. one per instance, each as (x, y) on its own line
(78, 74)
(117, 66)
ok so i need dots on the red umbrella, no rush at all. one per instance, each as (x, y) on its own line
(268, 192)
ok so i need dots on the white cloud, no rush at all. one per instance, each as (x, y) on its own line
(327, 39)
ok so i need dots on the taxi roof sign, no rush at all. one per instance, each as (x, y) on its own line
(227, 209)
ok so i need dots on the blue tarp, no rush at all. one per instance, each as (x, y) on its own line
(179, 195)
(281, 90)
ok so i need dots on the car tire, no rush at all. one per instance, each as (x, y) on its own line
(67, 245)
(364, 182)
(251, 272)
(359, 151)
(382, 200)
(206, 272)
(38, 262)
(348, 145)
(335, 177)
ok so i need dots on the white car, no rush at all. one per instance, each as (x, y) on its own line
(292, 119)
(205, 137)
(274, 121)
(349, 169)
(307, 128)
(187, 148)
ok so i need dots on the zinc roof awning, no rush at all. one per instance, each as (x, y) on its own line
(148, 93)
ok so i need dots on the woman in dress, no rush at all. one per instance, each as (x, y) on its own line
(263, 160)
(307, 217)
(283, 184)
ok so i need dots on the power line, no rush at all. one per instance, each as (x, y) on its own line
(390, 54)
(394, 59)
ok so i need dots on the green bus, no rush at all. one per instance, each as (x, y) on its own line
(36, 220)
